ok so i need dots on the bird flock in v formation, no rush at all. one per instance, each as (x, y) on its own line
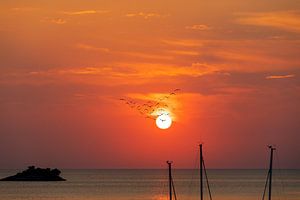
(152, 108)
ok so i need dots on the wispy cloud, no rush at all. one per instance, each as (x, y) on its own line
(24, 9)
(120, 73)
(72, 71)
(145, 15)
(280, 76)
(85, 12)
(184, 52)
(285, 20)
(187, 43)
(88, 47)
(86, 71)
(58, 21)
(155, 70)
(200, 27)
(148, 55)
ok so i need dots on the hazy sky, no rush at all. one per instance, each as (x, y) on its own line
(64, 65)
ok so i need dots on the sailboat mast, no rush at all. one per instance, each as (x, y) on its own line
(270, 172)
(170, 179)
(201, 173)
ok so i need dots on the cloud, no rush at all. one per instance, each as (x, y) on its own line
(184, 52)
(145, 15)
(84, 12)
(200, 27)
(58, 21)
(280, 76)
(154, 70)
(148, 55)
(184, 43)
(135, 54)
(284, 20)
(70, 71)
(118, 74)
(91, 48)
(85, 71)
(24, 9)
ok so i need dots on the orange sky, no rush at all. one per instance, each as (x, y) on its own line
(65, 64)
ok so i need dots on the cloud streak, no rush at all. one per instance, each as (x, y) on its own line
(24, 9)
(284, 20)
(87, 47)
(85, 12)
(199, 27)
(184, 52)
(280, 76)
(119, 74)
(58, 21)
(183, 43)
(145, 15)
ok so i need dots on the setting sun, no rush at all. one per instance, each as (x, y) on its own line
(163, 121)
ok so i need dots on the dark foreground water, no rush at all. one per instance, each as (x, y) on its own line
(152, 185)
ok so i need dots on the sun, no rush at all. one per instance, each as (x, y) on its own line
(163, 121)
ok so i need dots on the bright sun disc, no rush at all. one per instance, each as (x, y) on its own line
(163, 121)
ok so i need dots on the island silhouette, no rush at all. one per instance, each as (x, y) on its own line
(36, 174)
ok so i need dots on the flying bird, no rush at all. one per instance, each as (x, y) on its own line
(149, 107)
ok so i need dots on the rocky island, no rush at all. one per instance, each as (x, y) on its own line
(36, 174)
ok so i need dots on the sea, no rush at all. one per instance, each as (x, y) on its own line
(146, 184)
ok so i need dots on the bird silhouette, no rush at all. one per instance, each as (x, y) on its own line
(152, 106)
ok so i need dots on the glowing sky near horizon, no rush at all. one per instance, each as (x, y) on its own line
(64, 65)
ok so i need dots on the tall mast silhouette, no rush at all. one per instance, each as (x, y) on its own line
(171, 183)
(201, 173)
(269, 176)
(270, 172)
(202, 168)
(170, 178)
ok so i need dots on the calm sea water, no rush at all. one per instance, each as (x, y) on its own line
(152, 185)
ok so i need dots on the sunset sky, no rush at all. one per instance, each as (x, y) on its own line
(65, 64)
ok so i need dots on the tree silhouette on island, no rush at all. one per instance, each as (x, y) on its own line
(36, 174)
